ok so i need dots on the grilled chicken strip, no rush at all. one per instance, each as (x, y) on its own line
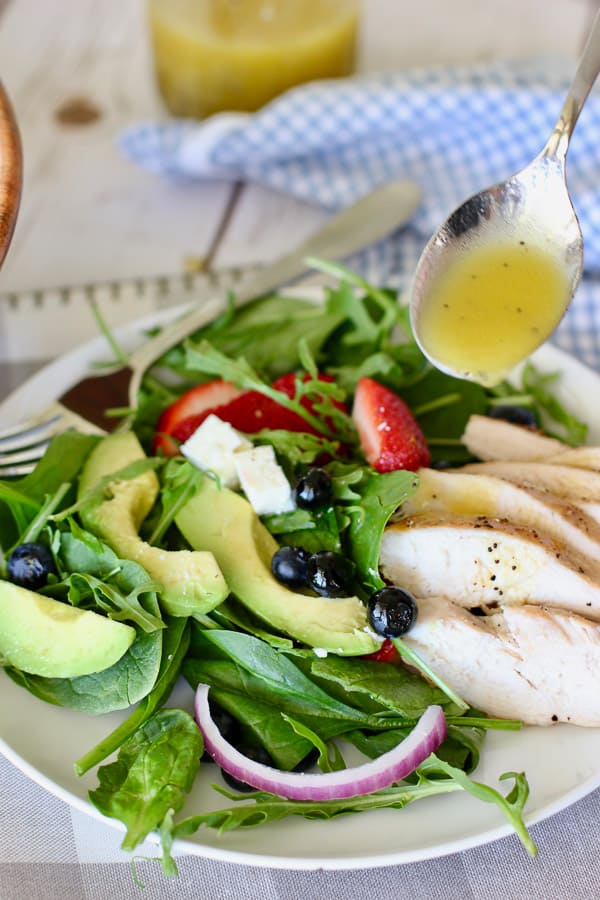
(538, 665)
(577, 486)
(494, 439)
(452, 493)
(490, 439)
(478, 561)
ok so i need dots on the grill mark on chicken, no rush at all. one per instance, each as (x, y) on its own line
(447, 493)
(485, 562)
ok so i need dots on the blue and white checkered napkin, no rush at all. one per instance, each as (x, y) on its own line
(454, 131)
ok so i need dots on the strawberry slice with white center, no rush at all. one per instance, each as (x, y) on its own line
(390, 436)
(203, 398)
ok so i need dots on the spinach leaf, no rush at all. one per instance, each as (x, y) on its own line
(266, 726)
(154, 771)
(442, 406)
(226, 675)
(175, 643)
(392, 686)
(124, 683)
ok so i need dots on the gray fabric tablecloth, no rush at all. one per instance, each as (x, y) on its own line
(49, 851)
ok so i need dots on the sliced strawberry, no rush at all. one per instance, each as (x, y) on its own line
(390, 436)
(203, 397)
(251, 411)
(387, 653)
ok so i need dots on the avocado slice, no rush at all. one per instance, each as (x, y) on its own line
(191, 580)
(46, 637)
(222, 521)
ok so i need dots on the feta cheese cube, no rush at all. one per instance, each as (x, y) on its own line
(263, 481)
(212, 447)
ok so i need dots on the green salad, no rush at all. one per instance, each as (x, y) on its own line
(142, 568)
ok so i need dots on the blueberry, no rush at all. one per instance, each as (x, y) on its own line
(516, 415)
(313, 489)
(392, 611)
(330, 574)
(258, 754)
(29, 565)
(288, 565)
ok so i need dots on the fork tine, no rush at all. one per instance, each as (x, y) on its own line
(22, 460)
(16, 471)
(26, 434)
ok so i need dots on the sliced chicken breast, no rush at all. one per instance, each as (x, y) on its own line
(490, 439)
(496, 440)
(578, 486)
(478, 561)
(450, 493)
(578, 457)
(538, 665)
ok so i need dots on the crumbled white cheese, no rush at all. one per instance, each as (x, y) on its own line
(213, 446)
(263, 480)
(320, 652)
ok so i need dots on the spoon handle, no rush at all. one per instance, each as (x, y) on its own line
(583, 81)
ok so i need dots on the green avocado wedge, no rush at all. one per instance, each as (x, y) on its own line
(45, 637)
(222, 521)
(191, 580)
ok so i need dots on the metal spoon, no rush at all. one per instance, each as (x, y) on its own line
(533, 208)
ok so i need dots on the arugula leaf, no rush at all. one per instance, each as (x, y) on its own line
(312, 529)
(22, 499)
(512, 805)
(260, 807)
(99, 579)
(571, 429)
(330, 758)
(154, 771)
(205, 358)
(298, 447)
(179, 482)
(266, 333)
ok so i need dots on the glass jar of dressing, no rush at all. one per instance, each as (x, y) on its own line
(215, 55)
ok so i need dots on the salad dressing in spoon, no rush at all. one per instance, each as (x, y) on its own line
(494, 282)
(492, 307)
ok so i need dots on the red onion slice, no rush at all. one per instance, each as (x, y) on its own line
(425, 738)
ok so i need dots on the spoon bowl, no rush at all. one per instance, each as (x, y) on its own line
(495, 280)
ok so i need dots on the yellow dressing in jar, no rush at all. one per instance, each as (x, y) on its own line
(492, 307)
(215, 55)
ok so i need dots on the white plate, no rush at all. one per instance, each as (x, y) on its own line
(562, 763)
